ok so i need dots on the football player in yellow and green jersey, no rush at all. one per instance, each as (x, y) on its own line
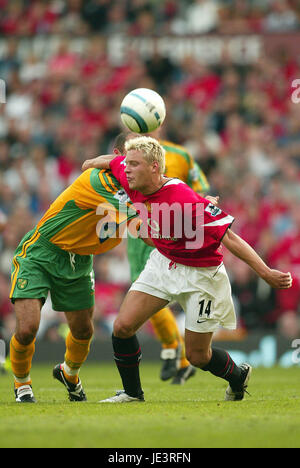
(56, 257)
(179, 164)
(85, 220)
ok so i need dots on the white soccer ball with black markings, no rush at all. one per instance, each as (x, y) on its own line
(143, 110)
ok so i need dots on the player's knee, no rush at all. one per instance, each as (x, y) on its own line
(123, 329)
(198, 358)
(26, 334)
(84, 332)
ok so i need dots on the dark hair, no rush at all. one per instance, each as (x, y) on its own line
(119, 142)
(121, 139)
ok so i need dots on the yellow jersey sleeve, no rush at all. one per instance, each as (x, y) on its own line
(90, 216)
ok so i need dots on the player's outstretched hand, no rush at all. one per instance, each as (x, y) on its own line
(213, 200)
(278, 279)
(88, 164)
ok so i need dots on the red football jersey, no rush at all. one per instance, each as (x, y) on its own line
(184, 227)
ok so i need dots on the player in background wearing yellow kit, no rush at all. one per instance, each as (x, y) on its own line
(88, 218)
(179, 164)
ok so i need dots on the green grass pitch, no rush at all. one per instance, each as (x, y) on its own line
(189, 416)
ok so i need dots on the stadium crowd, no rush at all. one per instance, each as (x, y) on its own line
(143, 17)
(238, 121)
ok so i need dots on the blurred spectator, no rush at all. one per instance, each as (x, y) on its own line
(63, 64)
(254, 299)
(162, 70)
(281, 17)
(7, 319)
(201, 17)
(11, 18)
(3, 221)
(240, 17)
(95, 12)
(286, 255)
(9, 62)
(116, 20)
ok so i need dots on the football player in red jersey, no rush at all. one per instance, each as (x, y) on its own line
(187, 266)
(181, 165)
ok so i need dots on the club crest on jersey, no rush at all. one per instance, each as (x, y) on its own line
(22, 283)
(213, 210)
(122, 196)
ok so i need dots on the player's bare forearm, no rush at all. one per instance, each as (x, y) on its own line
(101, 162)
(241, 249)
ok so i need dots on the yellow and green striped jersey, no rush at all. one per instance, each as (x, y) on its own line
(180, 164)
(90, 216)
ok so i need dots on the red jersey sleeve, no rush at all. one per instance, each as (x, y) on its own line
(117, 166)
(216, 221)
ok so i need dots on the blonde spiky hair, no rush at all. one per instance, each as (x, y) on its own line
(152, 150)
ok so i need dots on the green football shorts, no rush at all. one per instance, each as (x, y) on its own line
(40, 267)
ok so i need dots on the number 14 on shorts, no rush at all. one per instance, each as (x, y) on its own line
(204, 311)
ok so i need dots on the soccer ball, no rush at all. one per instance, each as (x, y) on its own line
(143, 110)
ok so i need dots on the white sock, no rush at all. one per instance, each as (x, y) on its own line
(23, 381)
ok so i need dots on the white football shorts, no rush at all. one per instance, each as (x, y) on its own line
(203, 293)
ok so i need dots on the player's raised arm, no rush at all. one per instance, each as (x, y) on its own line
(244, 251)
(101, 162)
